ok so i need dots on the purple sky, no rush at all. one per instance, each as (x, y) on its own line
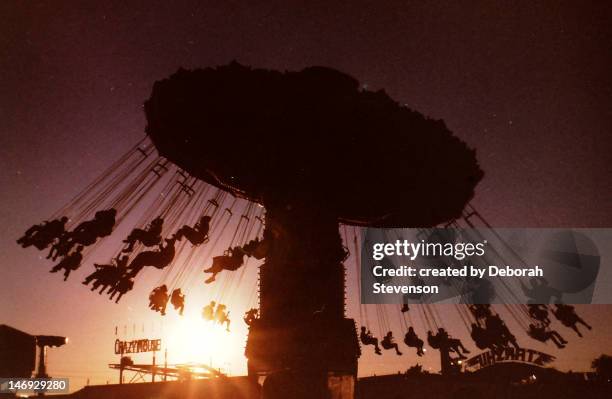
(527, 85)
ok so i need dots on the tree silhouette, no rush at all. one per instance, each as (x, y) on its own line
(416, 370)
(603, 367)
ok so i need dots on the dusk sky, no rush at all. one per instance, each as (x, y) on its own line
(527, 85)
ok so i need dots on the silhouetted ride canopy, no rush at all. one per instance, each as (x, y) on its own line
(312, 136)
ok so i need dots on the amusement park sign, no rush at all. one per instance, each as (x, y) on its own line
(137, 346)
(520, 355)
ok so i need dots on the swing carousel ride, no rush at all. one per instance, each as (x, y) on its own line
(295, 162)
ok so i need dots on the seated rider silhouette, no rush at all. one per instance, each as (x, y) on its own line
(543, 334)
(256, 248)
(158, 259)
(413, 341)
(566, 314)
(208, 312)
(250, 316)
(221, 317)
(42, 235)
(457, 346)
(61, 247)
(106, 275)
(177, 299)
(405, 308)
(122, 286)
(69, 263)
(454, 344)
(158, 299)
(148, 237)
(498, 332)
(387, 343)
(479, 290)
(433, 340)
(481, 337)
(232, 260)
(480, 311)
(366, 338)
(540, 291)
(197, 234)
(100, 226)
(539, 312)
(85, 233)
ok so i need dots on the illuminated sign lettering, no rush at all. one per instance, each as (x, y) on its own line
(137, 346)
(505, 355)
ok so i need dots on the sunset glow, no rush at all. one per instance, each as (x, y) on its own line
(191, 339)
